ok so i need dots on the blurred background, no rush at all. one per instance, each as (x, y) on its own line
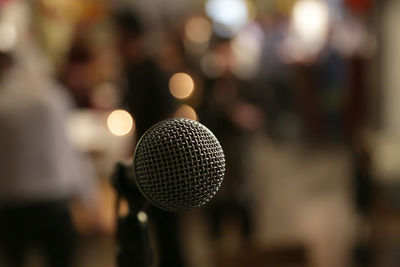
(302, 94)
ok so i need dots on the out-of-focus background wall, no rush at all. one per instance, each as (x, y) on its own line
(303, 95)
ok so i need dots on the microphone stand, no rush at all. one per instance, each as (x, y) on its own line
(134, 248)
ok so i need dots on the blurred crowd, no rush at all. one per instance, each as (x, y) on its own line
(290, 88)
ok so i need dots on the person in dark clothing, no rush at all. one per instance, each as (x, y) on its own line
(229, 110)
(362, 184)
(148, 98)
(76, 73)
(147, 94)
(54, 234)
(149, 101)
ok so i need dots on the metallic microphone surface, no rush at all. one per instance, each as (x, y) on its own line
(179, 165)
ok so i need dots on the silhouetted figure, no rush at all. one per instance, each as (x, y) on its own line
(362, 196)
(77, 72)
(229, 111)
(147, 94)
(149, 101)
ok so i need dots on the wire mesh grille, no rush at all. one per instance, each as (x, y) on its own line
(179, 165)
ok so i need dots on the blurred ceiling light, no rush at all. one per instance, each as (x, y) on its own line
(181, 85)
(310, 20)
(185, 111)
(120, 122)
(8, 37)
(198, 30)
(228, 16)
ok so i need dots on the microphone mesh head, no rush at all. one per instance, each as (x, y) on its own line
(179, 165)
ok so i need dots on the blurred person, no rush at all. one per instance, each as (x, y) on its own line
(147, 94)
(230, 111)
(78, 71)
(318, 95)
(362, 185)
(275, 81)
(149, 101)
(39, 170)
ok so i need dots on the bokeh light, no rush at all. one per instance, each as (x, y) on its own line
(8, 37)
(181, 85)
(228, 16)
(310, 20)
(120, 122)
(142, 216)
(185, 111)
(198, 30)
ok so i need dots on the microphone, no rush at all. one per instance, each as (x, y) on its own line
(178, 165)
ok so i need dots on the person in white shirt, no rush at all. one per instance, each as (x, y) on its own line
(39, 170)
